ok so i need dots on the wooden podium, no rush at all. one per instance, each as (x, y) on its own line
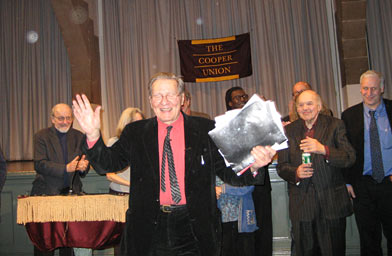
(86, 221)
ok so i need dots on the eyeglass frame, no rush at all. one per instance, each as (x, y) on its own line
(239, 97)
(63, 118)
(159, 97)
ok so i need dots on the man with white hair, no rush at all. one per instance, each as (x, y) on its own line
(319, 202)
(58, 160)
(369, 179)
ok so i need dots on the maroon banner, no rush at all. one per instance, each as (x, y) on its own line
(215, 59)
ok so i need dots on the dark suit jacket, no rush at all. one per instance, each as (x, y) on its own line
(138, 147)
(354, 120)
(327, 180)
(200, 114)
(49, 161)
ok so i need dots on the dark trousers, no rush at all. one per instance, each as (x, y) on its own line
(174, 235)
(320, 237)
(262, 201)
(373, 214)
(66, 251)
(236, 244)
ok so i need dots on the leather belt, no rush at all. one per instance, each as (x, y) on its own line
(172, 208)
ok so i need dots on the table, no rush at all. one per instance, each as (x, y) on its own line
(86, 221)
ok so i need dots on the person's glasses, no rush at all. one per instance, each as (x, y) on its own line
(62, 118)
(240, 97)
(169, 97)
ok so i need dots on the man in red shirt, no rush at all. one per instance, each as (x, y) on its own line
(172, 202)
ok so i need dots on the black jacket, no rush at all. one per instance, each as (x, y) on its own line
(49, 161)
(354, 120)
(138, 147)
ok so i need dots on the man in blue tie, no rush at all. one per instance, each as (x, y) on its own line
(369, 179)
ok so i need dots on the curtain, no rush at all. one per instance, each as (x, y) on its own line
(33, 76)
(289, 42)
(379, 22)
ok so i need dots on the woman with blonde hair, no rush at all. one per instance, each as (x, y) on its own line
(120, 181)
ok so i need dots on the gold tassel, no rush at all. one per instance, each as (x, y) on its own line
(72, 208)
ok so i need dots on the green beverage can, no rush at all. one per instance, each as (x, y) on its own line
(306, 158)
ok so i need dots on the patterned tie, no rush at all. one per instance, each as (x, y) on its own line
(167, 151)
(375, 150)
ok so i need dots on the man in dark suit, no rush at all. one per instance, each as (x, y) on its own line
(3, 173)
(179, 217)
(371, 193)
(236, 98)
(319, 202)
(58, 159)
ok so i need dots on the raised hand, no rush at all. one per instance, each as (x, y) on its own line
(262, 156)
(89, 120)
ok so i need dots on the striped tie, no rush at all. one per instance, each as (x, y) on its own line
(167, 152)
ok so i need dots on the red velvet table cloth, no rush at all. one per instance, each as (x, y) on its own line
(85, 221)
(85, 234)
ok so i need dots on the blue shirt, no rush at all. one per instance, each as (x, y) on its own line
(384, 132)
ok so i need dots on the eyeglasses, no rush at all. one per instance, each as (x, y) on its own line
(62, 118)
(239, 97)
(169, 97)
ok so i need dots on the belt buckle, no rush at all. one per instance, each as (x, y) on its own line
(166, 208)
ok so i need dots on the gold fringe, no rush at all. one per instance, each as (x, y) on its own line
(72, 208)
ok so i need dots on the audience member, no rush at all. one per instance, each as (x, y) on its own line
(261, 239)
(172, 214)
(58, 160)
(186, 107)
(3, 173)
(296, 90)
(370, 184)
(120, 181)
(238, 218)
(318, 199)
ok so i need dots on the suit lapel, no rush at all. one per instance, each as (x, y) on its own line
(388, 107)
(299, 131)
(192, 142)
(150, 141)
(54, 140)
(320, 128)
(361, 125)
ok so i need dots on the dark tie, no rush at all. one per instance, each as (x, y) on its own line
(375, 150)
(167, 152)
